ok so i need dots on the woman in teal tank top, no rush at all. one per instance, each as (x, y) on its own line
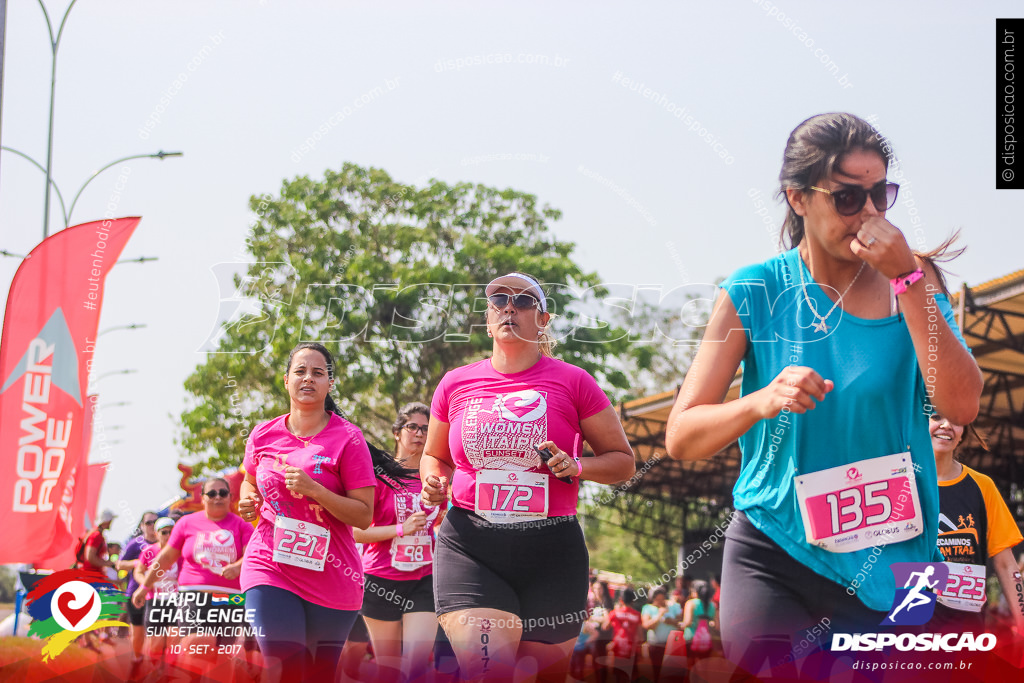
(846, 343)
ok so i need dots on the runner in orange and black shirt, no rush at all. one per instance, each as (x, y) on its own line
(974, 525)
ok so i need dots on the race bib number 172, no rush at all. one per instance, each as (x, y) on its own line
(504, 496)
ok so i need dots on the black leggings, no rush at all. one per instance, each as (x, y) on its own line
(776, 610)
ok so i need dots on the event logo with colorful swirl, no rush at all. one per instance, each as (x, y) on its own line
(69, 603)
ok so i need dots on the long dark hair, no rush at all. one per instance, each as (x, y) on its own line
(703, 591)
(605, 597)
(812, 152)
(942, 254)
(385, 467)
(388, 470)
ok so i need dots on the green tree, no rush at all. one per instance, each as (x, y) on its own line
(391, 278)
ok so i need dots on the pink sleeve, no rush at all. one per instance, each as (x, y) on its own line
(177, 539)
(439, 402)
(249, 461)
(355, 468)
(590, 399)
(245, 532)
(146, 557)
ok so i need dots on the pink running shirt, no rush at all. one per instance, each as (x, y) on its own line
(390, 507)
(496, 419)
(167, 582)
(206, 548)
(339, 459)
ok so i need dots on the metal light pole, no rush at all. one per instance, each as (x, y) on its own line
(48, 169)
(66, 212)
(161, 155)
(112, 373)
(118, 404)
(54, 45)
(133, 326)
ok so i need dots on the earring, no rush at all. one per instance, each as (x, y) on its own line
(540, 333)
(489, 333)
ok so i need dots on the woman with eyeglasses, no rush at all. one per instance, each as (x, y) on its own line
(845, 340)
(511, 567)
(309, 481)
(398, 556)
(143, 536)
(166, 584)
(975, 526)
(210, 544)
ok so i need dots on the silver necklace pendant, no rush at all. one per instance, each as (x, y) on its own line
(820, 326)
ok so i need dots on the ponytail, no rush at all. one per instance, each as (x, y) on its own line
(388, 470)
(385, 467)
(331, 407)
(545, 343)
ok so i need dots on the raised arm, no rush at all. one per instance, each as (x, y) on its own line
(947, 366)
(436, 465)
(953, 378)
(700, 424)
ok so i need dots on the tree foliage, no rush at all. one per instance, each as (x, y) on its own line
(391, 278)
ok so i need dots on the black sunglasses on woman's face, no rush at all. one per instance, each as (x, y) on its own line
(522, 302)
(850, 199)
(213, 493)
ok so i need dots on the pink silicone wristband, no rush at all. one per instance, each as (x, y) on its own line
(900, 284)
(579, 463)
(399, 530)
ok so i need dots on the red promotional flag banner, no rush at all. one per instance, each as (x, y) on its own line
(62, 555)
(49, 330)
(97, 471)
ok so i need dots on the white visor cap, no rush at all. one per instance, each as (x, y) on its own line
(519, 281)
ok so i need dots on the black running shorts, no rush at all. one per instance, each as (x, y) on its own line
(389, 599)
(537, 571)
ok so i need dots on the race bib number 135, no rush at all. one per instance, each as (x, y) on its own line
(860, 505)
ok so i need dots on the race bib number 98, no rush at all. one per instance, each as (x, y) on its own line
(411, 552)
(860, 505)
